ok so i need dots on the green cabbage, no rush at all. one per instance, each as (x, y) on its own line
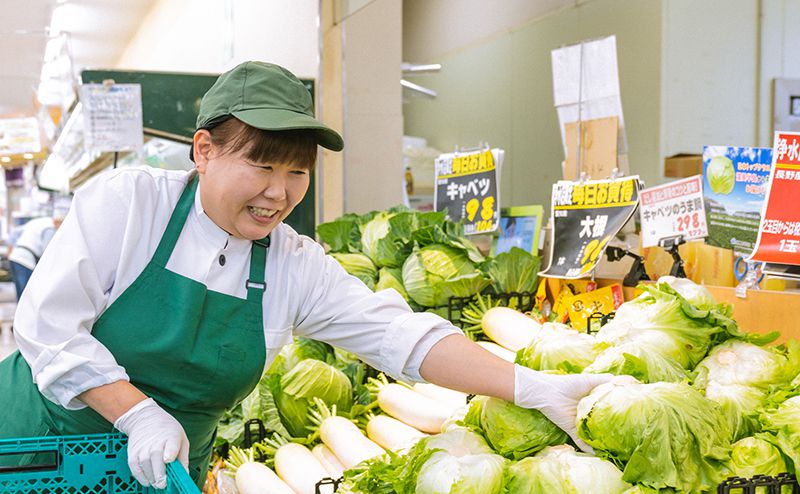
(559, 347)
(666, 434)
(465, 465)
(639, 360)
(359, 266)
(669, 324)
(560, 470)
(782, 421)
(739, 406)
(754, 456)
(385, 237)
(308, 379)
(739, 362)
(436, 272)
(514, 271)
(512, 431)
(391, 278)
(720, 175)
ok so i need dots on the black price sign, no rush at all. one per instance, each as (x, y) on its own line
(586, 216)
(466, 186)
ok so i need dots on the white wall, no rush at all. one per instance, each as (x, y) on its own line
(709, 78)
(214, 35)
(780, 56)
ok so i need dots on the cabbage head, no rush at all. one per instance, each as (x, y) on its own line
(561, 470)
(720, 175)
(783, 422)
(695, 294)
(739, 362)
(436, 272)
(385, 237)
(359, 266)
(559, 347)
(665, 320)
(739, 405)
(308, 379)
(391, 278)
(512, 431)
(639, 360)
(667, 435)
(754, 456)
(463, 464)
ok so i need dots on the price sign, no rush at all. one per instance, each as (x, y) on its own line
(466, 187)
(779, 231)
(586, 216)
(112, 117)
(673, 209)
(19, 135)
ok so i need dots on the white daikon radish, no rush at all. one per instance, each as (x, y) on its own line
(343, 437)
(253, 477)
(496, 349)
(392, 434)
(299, 468)
(410, 407)
(509, 328)
(441, 394)
(329, 460)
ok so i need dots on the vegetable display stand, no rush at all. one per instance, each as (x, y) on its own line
(522, 301)
(780, 484)
(85, 464)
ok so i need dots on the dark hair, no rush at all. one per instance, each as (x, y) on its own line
(295, 147)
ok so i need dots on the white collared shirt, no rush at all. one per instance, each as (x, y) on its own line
(111, 233)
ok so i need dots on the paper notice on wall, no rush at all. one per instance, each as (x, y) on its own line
(112, 117)
(586, 85)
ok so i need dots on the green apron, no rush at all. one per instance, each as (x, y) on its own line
(194, 351)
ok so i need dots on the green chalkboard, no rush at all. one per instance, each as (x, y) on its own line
(170, 103)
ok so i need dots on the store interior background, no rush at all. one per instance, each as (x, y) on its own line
(692, 72)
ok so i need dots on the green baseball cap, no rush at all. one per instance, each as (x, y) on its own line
(267, 97)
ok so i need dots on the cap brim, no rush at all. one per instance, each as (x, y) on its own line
(280, 119)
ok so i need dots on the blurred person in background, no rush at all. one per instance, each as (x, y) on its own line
(29, 246)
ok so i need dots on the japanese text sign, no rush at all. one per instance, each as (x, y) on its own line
(586, 216)
(779, 232)
(734, 185)
(112, 117)
(466, 187)
(673, 209)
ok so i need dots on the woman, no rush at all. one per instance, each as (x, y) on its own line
(168, 293)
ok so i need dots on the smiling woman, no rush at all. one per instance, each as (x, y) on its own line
(251, 179)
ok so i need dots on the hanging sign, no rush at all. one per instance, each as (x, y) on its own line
(734, 186)
(673, 209)
(466, 187)
(112, 116)
(586, 216)
(19, 136)
(779, 231)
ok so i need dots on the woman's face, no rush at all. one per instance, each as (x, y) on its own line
(246, 199)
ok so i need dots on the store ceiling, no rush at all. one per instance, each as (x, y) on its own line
(97, 33)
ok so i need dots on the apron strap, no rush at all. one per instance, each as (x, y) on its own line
(175, 225)
(258, 262)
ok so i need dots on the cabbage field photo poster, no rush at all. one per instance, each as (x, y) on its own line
(734, 184)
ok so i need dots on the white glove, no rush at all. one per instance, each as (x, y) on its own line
(556, 396)
(155, 438)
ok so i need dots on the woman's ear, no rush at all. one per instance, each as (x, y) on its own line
(202, 149)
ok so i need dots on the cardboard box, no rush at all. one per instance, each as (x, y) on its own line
(683, 165)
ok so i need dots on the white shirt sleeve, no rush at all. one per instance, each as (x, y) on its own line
(67, 293)
(379, 327)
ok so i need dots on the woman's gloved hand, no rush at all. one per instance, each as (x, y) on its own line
(556, 396)
(155, 438)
